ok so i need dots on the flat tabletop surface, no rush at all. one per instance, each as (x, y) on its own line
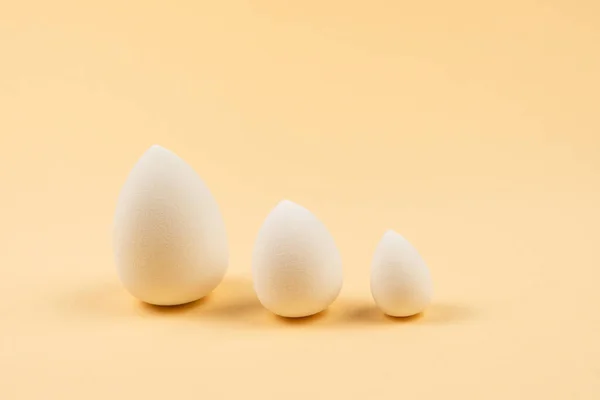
(470, 128)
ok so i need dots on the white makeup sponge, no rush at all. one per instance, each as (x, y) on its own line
(296, 267)
(169, 238)
(400, 280)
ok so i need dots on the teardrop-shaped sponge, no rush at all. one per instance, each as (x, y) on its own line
(296, 266)
(400, 280)
(169, 237)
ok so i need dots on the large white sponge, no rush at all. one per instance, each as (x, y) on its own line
(169, 237)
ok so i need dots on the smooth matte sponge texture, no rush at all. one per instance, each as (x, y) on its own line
(296, 266)
(169, 237)
(400, 280)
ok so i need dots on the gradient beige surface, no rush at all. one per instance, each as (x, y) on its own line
(469, 127)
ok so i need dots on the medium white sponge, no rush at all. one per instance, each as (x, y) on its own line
(297, 269)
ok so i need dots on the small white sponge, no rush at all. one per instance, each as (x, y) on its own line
(169, 238)
(296, 267)
(400, 280)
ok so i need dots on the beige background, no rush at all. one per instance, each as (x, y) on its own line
(470, 127)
